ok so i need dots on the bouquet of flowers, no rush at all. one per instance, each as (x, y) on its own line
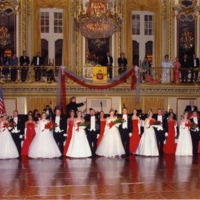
(50, 125)
(116, 122)
(9, 125)
(156, 124)
(192, 126)
(81, 125)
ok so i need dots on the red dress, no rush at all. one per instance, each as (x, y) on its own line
(170, 146)
(102, 128)
(30, 134)
(69, 136)
(135, 138)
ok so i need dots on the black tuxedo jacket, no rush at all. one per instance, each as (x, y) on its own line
(122, 62)
(97, 122)
(197, 63)
(20, 125)
(164, 122)
(24, 60)
(191, 119)
(188, 108)
(34, 61)
(185, 63)
(105, 61)
(73, 106)
(129, 123)
(62, 125)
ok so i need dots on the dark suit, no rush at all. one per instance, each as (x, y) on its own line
(92, 134)
(122, 62)
(58, 132)
(196, 68)
(37, 67)
(160, 135)
(124, 132)
(73, 106)
(189, 108)
(185, 64)
(109, 66)
(16, 136)
(24, 62)
(195, 137)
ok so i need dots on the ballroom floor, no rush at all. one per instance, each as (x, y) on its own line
(135, 177)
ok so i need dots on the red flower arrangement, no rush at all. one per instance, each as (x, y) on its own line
(191, 125)
(50, 125)
(81, 124)
(117, 121)
(154, 122)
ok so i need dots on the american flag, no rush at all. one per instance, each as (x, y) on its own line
(2, 105)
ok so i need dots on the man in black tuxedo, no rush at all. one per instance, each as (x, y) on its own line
(185, 64)
(92, 130)
(108, 61)
(160, 134)
(18, 131)
(24, 62)
(125, 130)
(195, 133)
(191, 107)
(195, 66)
(73, 106)
(37, 61)
(60, 130)
(49, 112)
(122, 62)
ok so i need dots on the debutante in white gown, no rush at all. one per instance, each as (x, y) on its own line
(43, 144)
(148, 144)
(184, 144)
(8, 148)
(79, 146)
(111, 144)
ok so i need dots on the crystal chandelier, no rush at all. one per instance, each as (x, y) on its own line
(4, 36)
(187, 40)
(98, 21)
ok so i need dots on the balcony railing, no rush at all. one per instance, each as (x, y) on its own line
(49, 74)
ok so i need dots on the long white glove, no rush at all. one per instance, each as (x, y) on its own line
(166, 134)
(139, 128)
(25, 133)
(175, 129)
(130, 134)
(65, 134)
(97, 136)
(22, 142)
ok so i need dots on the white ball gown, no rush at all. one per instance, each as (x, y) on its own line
(79, 146)
(184, 144)
(111, 144)
(8, 148)
(148, 144)
(43, 144)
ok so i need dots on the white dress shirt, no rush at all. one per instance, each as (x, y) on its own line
(38, 61)
(57, 121)
(92, 125)
(195, 63)
(195, 120)
(125, 124)
(159, 118)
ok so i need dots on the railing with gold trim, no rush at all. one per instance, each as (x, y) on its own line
(49, 74)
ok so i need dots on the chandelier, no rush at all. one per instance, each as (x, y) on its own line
(98, 21)
(187, 40)
(4, 36)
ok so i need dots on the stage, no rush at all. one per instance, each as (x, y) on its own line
(132, 177)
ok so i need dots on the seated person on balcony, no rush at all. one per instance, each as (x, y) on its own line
(37, 62)
(166, 65)
(122, 62)
(50, 73)
(5, 62)
(185, 64)
(108, 61)
(195, 66)
(14, 64)
(145, 69)
(24, 62)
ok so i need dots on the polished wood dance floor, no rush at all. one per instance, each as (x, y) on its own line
(132, 177)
